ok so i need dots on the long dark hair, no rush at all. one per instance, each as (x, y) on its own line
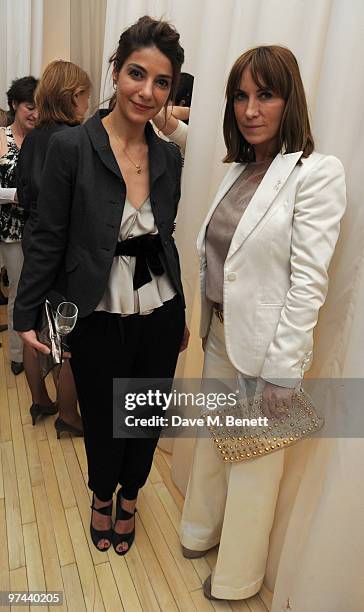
(276, 68)
(148, 32)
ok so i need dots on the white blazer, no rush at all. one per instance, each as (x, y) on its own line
(275, 273)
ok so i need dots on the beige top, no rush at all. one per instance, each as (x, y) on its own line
(179, 135)
(119, 296)
(224, 222)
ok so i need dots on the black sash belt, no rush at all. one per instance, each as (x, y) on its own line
(146, 249)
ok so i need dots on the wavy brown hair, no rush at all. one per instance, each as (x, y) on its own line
(55, 94)
(276, 68)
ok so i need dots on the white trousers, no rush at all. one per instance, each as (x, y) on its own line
(231, 505)
(12, 255)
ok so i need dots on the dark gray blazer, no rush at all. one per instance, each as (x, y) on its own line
(29, 172)
(80, 206)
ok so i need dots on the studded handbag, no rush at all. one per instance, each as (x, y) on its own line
(243, 432)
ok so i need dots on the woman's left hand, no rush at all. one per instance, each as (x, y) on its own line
(185, 339)
(276, 400)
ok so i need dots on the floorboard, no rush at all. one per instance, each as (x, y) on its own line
(44, 524)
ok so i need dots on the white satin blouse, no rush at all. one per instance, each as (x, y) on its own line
(120, 296)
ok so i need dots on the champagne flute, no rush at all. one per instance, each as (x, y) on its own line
(66, 317)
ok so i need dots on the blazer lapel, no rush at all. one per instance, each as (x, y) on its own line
(229, 179)
(100, 141)
(273, 181)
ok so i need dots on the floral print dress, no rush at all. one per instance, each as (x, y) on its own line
(11, 216)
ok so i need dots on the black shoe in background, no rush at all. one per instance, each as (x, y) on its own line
(3, 299)
(3, 328)
(16, 367)
(5, 278)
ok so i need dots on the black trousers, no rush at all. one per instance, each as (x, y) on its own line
(106, 346)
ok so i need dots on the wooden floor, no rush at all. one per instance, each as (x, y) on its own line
(44, 524)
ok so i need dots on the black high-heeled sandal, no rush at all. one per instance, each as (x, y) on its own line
(101, 534)
(36, 410)
(119, 538)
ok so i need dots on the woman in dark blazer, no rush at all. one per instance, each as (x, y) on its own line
(107, 206)
(62, 101)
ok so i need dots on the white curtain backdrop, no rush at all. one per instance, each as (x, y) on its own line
(87, 41)
(119, 15)
(317, 543)
(21, 41)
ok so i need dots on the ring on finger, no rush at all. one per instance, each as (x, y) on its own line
(281, 408)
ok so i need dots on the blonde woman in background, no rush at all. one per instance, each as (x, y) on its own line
(62, 101)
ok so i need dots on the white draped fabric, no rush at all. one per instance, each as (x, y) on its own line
(87, 41)
(21, 39)
(317, 543)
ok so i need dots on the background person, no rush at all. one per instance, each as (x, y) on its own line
(4, 118)
(173, 120)
(4, 122)
(23, 116)
(265, 248)
(107, 205)
(184, 91)
(62, 101)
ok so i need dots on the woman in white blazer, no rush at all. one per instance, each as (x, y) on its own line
(265, 248)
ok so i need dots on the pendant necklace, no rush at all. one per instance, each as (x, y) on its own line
(137, 166)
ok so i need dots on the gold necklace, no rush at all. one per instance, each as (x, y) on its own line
(137, 166)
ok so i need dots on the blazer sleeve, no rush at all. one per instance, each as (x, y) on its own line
(179, 166)
(319, 207)
(45, 253)
(175, 157)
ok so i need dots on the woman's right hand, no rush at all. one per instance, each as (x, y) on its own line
(182, 113)
(31, 340)
(277, 401)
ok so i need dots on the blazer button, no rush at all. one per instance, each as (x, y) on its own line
(231, 276)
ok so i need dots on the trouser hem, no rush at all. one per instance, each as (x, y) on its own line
(101, 495)
(198, 545)
(225, 592)
(130, 493)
